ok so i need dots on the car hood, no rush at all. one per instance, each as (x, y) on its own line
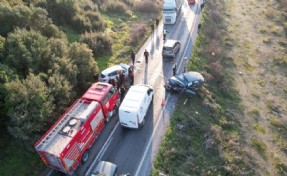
(121, 66)
(188, 77)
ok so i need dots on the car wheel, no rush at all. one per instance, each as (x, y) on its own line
(85, 157)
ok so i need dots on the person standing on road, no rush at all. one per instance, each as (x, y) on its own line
(122, 92)
(152, 27)
(146, 55)
(157, 22)
(164, 33)
(133, 57)
(185, 62)
(174, 69)
(131, 75)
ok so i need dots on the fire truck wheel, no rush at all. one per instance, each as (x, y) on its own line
(115, 110)
(85, 157)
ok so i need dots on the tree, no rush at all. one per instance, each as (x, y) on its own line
(27, 51)
(82, 57)
(2, 49)
(100, 43)
(6, 75)
(21, 16)
(29, 108)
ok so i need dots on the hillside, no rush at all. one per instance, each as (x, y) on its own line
(237, 126)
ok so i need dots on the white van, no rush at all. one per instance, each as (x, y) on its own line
(135, 105)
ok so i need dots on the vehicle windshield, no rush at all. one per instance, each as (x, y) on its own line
(168, 10)
(165, 48)
(103, 76)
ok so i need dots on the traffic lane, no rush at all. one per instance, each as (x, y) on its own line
(128, 145)
(97, 146)
(184, 29)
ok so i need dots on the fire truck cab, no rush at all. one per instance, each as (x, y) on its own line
(65, 145)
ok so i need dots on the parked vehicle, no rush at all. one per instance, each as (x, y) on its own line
(113, 71)
(105, 168)
(191, 1)
(65, 145)
(171, 9)
(170, 48)
(188, 82)
(135, 105)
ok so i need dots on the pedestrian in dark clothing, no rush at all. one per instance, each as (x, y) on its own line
(110, 81)
(174, 69)
(122, 91)
(152, 27)
(157, 22)
(131, 75)
(146, 55)
(133, 57)
(118, 82)
(164, 33)
(122, 77)
(113, 82)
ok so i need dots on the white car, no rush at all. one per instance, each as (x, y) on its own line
(113, 71)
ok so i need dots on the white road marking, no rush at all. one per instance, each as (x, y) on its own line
(150, 139)
(103, 149)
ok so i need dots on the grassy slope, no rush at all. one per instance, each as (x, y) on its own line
(213, 140)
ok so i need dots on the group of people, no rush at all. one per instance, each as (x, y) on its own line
(122, 82)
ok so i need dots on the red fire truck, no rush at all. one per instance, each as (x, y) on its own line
(65, 145)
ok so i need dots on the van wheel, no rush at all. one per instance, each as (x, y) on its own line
(85, 157)
(143, 122)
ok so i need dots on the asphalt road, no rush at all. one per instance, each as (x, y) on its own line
(134, 150)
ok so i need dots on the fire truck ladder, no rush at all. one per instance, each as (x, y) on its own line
(49, 137)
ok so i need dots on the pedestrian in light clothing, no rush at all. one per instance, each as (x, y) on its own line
(174, 69)
(133, 57)
(146, 55)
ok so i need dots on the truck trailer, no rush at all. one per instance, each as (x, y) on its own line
(171, 9)
(65, 145)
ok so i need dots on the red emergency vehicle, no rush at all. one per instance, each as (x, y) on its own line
(191, 1)
(65, 145)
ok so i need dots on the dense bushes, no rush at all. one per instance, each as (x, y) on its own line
(21, 16)
(147, 6)
(115, 7)
(49, 73)
(100, 43)
(137, 32)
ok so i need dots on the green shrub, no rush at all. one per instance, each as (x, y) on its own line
(147, 6)
(137, 32)
(117, 7)
(99, 43)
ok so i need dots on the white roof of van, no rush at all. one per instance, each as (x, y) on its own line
(134, 97)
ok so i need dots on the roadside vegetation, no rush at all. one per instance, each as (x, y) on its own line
(49, 54)
(237, 123)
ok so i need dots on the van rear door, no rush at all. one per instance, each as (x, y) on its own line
(128, 118)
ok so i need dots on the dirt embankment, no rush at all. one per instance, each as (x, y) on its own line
(256, 29)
